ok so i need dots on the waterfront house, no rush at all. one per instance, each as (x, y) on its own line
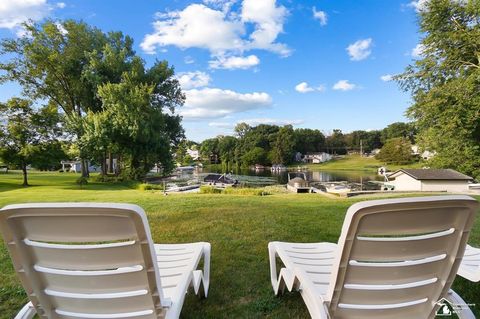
(316, 158)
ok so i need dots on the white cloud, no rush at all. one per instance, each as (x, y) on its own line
(222, 32)
(418, 50)
(320, 16)
(216, 103)
(195, 26)
(221, 124)
(304, 87)
(360, 50)
(422, 5)
(14, 12)
(234, 62)
(344, 85)
(190, 80)
(419, 5)
(268, 19)
(270, 121)
(61, 5)
(386, 77)
(188, 60)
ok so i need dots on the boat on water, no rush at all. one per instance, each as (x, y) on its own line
(220, 180)
(258, 167)
(278, 168)
(298, 183)
(337, 189)
(185, 168)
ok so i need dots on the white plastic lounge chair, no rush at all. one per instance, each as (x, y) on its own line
(394, 259)
(98, 261)
(470, 266)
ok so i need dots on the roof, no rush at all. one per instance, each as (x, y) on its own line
(432, 174)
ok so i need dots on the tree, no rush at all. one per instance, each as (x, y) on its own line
(48, 155)
(226, 150)
(445, 84)
(283, 146)
(335, 143)
(65, 63)
(241, 129)
(134, 120)
(399, 129)
(24, 130)
(369, 140)
(256, 155)
(396, 151)
(309, 141)
(209, 149)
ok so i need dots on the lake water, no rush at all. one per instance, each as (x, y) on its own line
(264, 177)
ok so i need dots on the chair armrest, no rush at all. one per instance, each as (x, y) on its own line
(27, 312)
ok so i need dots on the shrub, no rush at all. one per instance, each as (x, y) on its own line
(108, 179)
(234, 191)
(81, 181)
(209, 190)
(148, 187)
(245, 191)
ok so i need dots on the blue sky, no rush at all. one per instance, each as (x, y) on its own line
(316, 64)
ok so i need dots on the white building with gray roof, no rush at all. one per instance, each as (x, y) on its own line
(431, 180)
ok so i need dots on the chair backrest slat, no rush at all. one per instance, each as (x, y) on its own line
(397, 258)
(84, 260)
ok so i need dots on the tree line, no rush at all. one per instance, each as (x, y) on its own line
(87, 90)
(271, 144)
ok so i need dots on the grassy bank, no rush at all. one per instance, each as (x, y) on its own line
(239, 228)
(357, 163)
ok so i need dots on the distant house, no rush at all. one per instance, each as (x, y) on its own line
(76, 166)
(194, 154)
(426, 155)
(439, 180)
(316, 158)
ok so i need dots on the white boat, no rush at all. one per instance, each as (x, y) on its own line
(338, 189)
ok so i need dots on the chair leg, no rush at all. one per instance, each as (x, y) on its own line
(273, 267)
(462, 310)
(206, 268)
(27, 312)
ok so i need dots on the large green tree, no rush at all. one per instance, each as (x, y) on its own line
(24, 132)
(309, 141)
(64, 63)
(283, 146)
(133, 123)
(445, 84)
(396, 151)
(69, 63)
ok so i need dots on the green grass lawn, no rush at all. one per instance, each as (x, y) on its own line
(357, 163)
(238, 227)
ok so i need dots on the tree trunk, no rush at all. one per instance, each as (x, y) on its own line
(104, 163)
(110, 163)
(84, 165)
(25, 179)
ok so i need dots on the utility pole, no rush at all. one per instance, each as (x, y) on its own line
(361, 148)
